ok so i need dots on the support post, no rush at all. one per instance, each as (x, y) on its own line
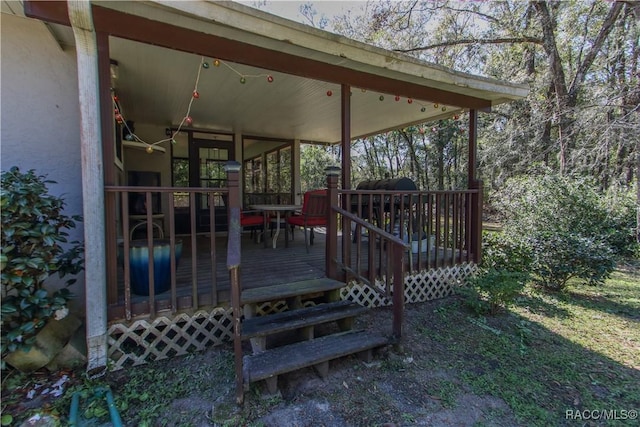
(331, 246)
(81, 18)
(475, 184)
(398, 292)
(233, 265)
(476, 222)
(473, 147)
(108, 156)
(346, 136)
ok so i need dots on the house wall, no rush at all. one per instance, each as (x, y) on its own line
(139, 160)
(40, 122)
(136, 159)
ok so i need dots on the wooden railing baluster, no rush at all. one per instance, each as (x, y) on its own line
(172, 243)
(125, 256)
(212, 248)
(122, 304)
(194, 249)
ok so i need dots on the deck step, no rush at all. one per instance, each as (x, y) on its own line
(295, 319)
(289, 290)
(300, 355)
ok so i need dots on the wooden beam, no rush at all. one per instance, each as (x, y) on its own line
(108, 155)
(473, 147)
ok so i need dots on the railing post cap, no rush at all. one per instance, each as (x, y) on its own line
(332, 170)
(232, 166)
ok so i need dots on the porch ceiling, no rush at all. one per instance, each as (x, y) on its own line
(159, 45)
(155, 85)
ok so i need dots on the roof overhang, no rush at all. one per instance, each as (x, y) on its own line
(159, 45)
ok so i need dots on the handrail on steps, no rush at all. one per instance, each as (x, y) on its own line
(396, 250)
(372, 230)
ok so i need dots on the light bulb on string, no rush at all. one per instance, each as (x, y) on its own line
(188, 120)
(409, 101)
(329, 93)
(397, 98)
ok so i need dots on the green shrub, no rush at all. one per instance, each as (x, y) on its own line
(560, 257)
(621, 205)
(501, 276)
(567, 225)
(34, 247)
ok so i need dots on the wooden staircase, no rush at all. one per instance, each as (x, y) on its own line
(298, 328)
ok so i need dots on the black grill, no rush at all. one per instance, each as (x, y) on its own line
(378, 201)
(405, 184)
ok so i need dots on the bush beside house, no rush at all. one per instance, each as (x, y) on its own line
(34, 248)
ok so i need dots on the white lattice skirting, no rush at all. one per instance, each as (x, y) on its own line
(144, 341)
(419, 286)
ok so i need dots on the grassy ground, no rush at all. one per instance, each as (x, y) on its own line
(549, 360)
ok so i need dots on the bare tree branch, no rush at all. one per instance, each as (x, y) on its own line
(584, 66)
(500, 40)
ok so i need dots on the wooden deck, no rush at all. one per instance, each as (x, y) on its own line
(201, 280)
(260, 267)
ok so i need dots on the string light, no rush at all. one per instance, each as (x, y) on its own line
(243, 77)
(423, 107)
(187, 119)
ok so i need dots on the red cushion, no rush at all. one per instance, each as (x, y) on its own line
(299, 220)
(249, 220)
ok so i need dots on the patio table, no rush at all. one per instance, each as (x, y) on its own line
(287, 209)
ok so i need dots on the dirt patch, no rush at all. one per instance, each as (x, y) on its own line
(413, 386)
(409, 387)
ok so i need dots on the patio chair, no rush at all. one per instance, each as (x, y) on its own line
(315, 208)
(252, 220)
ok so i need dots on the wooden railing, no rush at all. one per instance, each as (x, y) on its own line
(384, 258)
(386, 233)
(383, 235)
(440, 227)
(192, 287)
(375, 262)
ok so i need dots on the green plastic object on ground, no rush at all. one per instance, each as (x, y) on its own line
(99, 393)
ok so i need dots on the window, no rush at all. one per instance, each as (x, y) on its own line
(180, 178)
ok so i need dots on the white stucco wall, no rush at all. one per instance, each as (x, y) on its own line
(40, 114)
